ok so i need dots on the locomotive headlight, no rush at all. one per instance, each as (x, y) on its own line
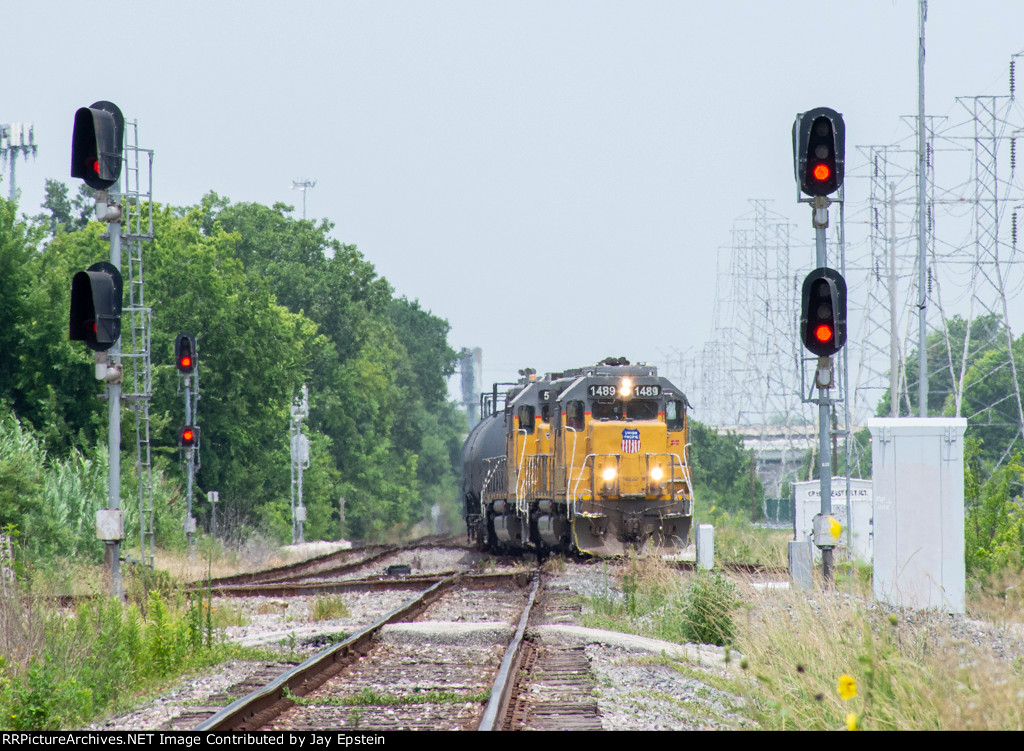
(657, 473)
(626, 387)
(608, 474)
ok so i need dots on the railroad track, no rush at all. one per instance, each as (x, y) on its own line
(334, 565)
(459, 650)
(554, 685)
(405, 679)
(427, 671)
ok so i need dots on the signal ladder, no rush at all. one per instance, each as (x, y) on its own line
(137, 390)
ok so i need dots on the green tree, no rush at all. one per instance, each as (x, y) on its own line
(990, 402)
(380, 387)
(17, 249)
(253, 355)
(47, 379)
(275, 303)
(721, 469)
(63, 213)
(945, 357)
(994, 523)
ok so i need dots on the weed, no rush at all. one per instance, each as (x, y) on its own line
(271, 607)
(291, 643)
(736, 539)
(141, 581)
(655, 603)
(553, 565)
(89, 660)
(328, 607)
(707, 610)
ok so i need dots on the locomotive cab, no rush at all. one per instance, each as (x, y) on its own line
(595, 460)
(623, 449)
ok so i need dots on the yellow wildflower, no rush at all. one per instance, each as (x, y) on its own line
(852, 722)
(847, 687)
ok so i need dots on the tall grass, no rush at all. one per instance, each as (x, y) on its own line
(816, 660)
(804, 652)
(52, 501)
(61, 669)
(737, 540)
(659, 602)
(328, 607)
(911, 670)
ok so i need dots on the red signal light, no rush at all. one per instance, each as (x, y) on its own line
(185, 353)
(823, 312)
(96, 166)
(821, 172)
(188, 436)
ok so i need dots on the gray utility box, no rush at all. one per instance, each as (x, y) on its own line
(855, 539)
(918, 468)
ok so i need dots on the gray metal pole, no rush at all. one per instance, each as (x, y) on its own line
(189, 463)
(824, 424)
(301, 529)
(291, 449)
(844, 388)
(113, 547)
(922, 267)
(894, 358)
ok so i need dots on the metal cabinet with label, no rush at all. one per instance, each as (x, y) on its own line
(918, 472)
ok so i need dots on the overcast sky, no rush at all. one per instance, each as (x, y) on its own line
(553, 178)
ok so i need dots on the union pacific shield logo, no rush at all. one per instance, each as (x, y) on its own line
(630, 441)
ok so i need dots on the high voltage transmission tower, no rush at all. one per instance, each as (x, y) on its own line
(750, 376)
(879, 263)
(973, 285)
(973, 200)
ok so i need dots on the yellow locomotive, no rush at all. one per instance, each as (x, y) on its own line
(592, 459)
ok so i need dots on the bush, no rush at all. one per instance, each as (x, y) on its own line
(707, 610)
(994, 524)
(654, 602)
(101, 654)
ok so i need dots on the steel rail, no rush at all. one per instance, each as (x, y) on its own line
(374, 584)
(308, 567)
(261, 705)
(327, 563)
(501, 692)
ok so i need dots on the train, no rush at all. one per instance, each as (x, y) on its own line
(592, 460)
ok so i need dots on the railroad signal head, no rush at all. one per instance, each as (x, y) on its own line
(97, 144)
(823, 312)
(185, 353)
(188, 436)
(96, 306)
(819, 151)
